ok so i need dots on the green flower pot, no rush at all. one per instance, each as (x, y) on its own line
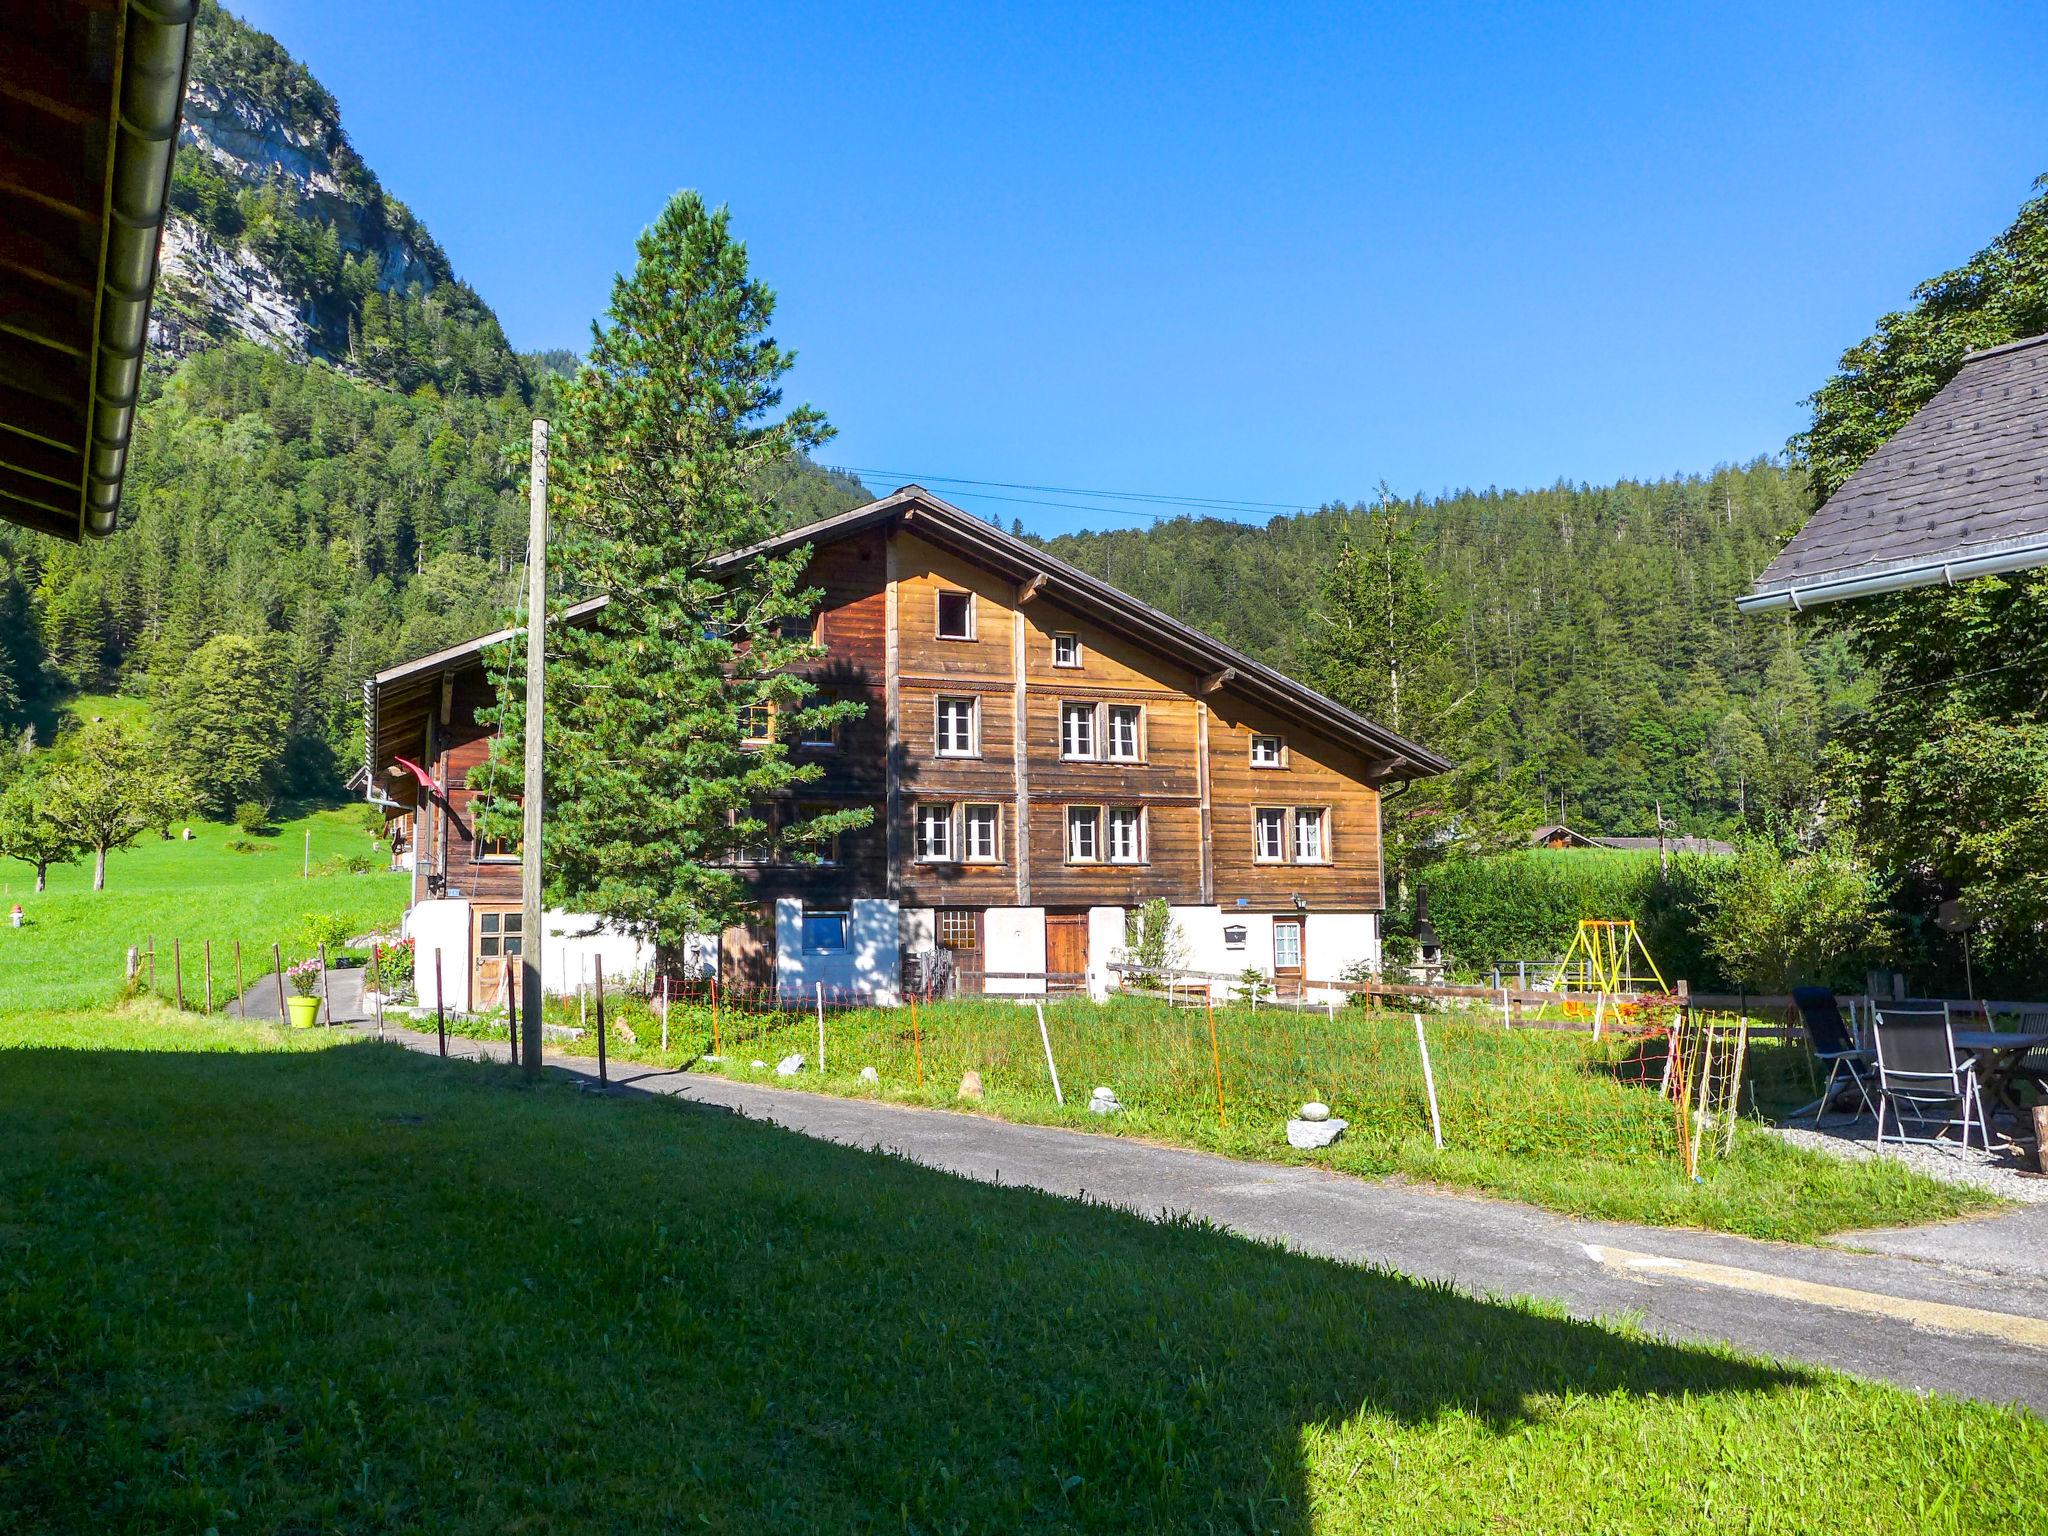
(303, 1011)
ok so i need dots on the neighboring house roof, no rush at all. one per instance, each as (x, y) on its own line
(1960, 490)
(394, 699)
(1543, 836)
(89, 102)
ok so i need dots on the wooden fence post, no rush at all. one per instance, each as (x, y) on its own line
(916, 1041)
(152, 962)
(277, 965)
(238, 975)
(1215, 1056)
(207, 970)
(326, 990)
(603, 1071)
(512, 1009)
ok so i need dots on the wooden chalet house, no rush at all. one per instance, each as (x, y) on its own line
(1043, 754)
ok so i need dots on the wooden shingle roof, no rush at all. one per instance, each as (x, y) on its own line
(1961, 490)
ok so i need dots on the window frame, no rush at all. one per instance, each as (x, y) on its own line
(845, 921)
(495, 850)
(511, 929)
(829, 742)
(1066, 636)
(1140, 824)
(828, 853)
(966, 839)
(1279, 759)
(744, 718)
(939, 613)
(940, 705)
(1317, 816)
(1091, 817)
(949, 820)
(1260, 813)
(1090, 711)
(967, 915)
(1109, 716)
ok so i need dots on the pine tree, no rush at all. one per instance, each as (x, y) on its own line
(653, 786)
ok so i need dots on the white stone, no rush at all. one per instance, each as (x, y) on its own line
(970, 1084)
(789, 1066)
(760, 1066)
(1103, 1102)
(870, 1075)
(1310, 1134)
(1315, 1109)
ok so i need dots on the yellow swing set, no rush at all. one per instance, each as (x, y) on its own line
(1603, 959)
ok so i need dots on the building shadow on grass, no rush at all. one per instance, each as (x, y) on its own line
(473, 1305)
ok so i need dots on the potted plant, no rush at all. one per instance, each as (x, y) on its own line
(302, 1006)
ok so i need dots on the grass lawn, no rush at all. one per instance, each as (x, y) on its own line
(1536, 1115)
(257, 1284)
(73, 950)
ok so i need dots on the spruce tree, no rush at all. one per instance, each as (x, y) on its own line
(225, 721)
(658, 773)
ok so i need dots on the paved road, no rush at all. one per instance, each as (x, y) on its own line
(1961, 1309)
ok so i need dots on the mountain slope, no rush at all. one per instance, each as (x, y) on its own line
(281, 235)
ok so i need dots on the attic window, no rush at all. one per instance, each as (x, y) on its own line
(956, 615)
(1066, 650)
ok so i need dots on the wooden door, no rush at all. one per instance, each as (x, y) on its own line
(958, 931)
(1066, 951)
(1289, 956)
(495, 944)
(746, 954)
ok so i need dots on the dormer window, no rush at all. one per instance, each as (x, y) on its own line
(1269, 752)
(956, 615)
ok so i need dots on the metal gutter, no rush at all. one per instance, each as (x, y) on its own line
(1901, 578)
(156, 49)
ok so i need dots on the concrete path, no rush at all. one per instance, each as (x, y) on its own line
(344, 992)
(1961, 1308)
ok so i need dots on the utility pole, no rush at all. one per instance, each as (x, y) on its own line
(532, 937)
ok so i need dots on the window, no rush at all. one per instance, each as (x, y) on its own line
(755, 722)
(826, 849)
(1125, 734)
(1066, 650)
(808, 627)
(957, 929)
(1084, 834)
(935, 834)
(956, 615)
(1077, 730)
(498, 934)
(1126, 834)
(820, 738)
(752, 843)
(959, 734)
(824, 933)
(497, 849)
(1269, 752)
(1269, 834)
(1287, 946)
(984, 829)
(1308, 835)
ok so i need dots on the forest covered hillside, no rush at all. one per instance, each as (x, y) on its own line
(1591, 645)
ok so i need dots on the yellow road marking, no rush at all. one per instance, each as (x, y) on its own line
(1939, 1316)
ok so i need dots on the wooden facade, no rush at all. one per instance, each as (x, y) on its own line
(1009, 696)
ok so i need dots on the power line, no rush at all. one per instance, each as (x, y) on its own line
(1209, 505)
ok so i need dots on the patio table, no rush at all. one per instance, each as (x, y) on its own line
(1998, 1058)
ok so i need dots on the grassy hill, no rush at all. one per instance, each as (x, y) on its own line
(71, 951)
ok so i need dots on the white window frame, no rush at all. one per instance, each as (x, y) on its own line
(1279, 757)
(939, 613)
(1260, 820)
(1066, 637)
(940, 709)
(1132, 816)
(1136, 712)
(1073, 711)
(1089, 816)
(1302, 817)
(948, 819)
(993, 821)
(1298, 929)
(845, 932)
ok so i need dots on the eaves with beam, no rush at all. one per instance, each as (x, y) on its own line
(90, 93)
(1959, 491)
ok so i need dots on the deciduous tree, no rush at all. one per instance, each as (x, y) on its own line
(225, 720)
(106, 786)
(29, 831)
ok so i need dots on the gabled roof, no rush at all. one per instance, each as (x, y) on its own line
(992, 548)
(90, 92)
(394, 699)
(1670, 843)
(1961, 490)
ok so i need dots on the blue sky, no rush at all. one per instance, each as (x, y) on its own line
(1260, 256)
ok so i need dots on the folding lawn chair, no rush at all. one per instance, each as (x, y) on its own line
(1834, 1046)
(1919, 1069)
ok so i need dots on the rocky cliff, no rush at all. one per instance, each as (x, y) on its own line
(280, 234)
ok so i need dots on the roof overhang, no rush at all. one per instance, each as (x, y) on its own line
(1945, 571)
(90, 93)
